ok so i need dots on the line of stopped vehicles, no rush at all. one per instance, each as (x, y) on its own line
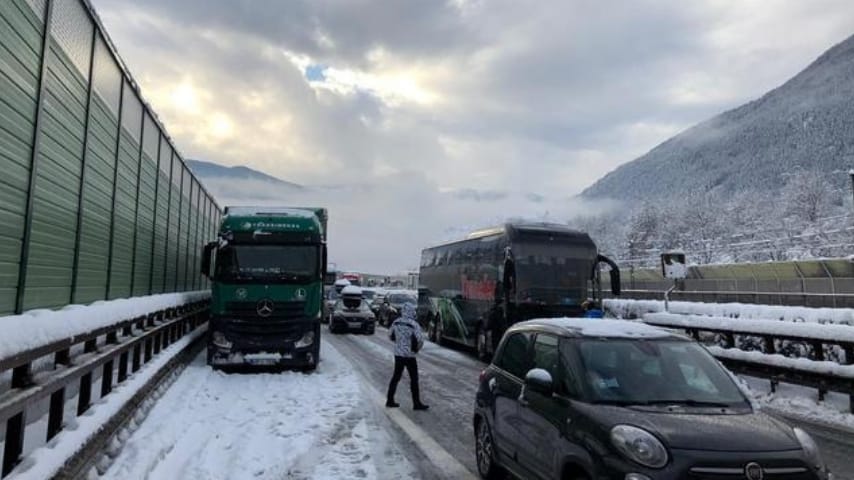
(564, 395)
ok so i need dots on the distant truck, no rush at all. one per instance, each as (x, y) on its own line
(267, 269)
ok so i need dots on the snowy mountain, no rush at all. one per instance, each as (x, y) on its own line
(805, 124)
(210, 170)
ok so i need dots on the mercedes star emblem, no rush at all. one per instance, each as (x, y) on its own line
(753, 471)
(265, 308)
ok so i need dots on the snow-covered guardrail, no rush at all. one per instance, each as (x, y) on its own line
(47, 354)
(766, 358)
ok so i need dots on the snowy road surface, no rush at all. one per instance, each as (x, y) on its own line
(212, 425)
(330, 424)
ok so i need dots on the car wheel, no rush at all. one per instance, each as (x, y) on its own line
(485, 453)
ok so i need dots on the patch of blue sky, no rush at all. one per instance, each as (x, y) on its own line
(315, 73)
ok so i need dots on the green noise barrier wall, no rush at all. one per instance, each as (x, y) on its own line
(95, 200)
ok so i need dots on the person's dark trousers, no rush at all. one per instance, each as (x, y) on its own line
(412, 369)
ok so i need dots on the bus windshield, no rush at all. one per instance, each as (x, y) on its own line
(265, 262)
(552, 273)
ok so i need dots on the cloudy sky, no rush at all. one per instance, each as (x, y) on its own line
(415, 120)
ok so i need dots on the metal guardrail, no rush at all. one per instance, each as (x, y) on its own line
(811, 299)
(772, 342)
(117, 350)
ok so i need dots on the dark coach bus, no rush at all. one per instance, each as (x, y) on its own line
(480, 286)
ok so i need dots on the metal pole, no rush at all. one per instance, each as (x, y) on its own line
(136, 207)
(115, 194)
(37, 137)
(168, 216)
(156, 203)
(851, 174)
(76, 264)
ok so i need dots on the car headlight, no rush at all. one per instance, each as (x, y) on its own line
(219, 340)
(306, 340)
(810, 448)
(638, 445)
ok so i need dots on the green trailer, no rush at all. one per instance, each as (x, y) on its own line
(266, 269)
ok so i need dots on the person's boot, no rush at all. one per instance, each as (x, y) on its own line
(390, 403)
(420, 406)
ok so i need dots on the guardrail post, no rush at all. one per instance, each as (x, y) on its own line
(123, 367)
(62, 357)
(57, 410)
(84, 396)
(148, 348)
(107, 378)
(137, 357)
(22, 376)
(14, 444)
(769, 345)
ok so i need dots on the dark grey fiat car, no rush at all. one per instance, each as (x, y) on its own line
(610, 399)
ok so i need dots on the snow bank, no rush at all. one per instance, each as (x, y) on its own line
(802, 364)
(19, 333)
(828, 333)
(623, 308)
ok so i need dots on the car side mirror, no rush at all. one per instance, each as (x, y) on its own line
(540, 381)
(206, 259)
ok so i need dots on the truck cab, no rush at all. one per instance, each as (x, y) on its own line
(267, 269)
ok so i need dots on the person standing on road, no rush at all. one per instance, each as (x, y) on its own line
(408, 340)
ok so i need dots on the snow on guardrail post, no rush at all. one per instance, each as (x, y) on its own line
(113, 337)
(767, 361)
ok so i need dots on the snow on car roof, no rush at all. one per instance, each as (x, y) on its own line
(601, 327)
(351, 290)
(342, 282)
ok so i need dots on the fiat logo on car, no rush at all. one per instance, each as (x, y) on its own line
(753, 471)
(265, 308)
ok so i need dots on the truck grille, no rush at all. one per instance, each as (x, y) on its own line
(281, 310)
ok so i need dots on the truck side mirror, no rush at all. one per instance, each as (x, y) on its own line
(206, 259)
(323, 262)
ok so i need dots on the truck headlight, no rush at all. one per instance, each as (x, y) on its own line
(638, 445)
(810, 449)
(306, 340)
(219, 340)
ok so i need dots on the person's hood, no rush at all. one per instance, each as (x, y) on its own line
(408, 312)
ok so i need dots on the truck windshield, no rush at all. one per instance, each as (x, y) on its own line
(266, 262)
(552, 273)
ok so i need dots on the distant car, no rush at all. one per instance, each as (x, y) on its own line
(369, 294)
(330, 300)
(393, 305)
(351, 312)
(379, 298)
(586, 399)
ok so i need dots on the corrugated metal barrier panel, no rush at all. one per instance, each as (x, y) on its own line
(88, 199)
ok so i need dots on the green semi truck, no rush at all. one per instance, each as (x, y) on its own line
(267, 268)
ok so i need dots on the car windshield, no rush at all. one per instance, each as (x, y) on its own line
(283, 262)
(400, 299)
(654, 372)
(368, 294)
